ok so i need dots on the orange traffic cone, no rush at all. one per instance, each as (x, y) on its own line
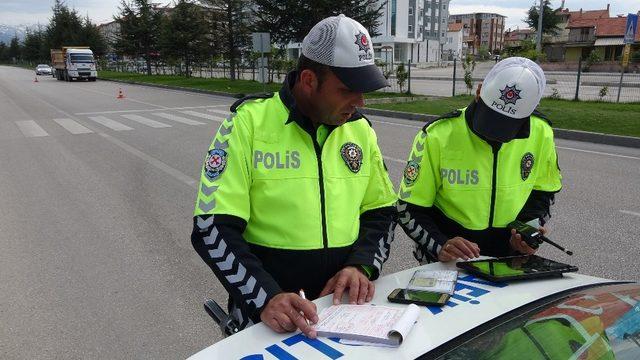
(120, 94)
(35, 79)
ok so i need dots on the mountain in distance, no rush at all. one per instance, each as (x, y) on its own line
(7, 32)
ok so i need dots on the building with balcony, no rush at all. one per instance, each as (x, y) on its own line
(514, 38)
(411, 30)
(485, 29)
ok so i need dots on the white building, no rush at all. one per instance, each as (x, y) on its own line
(412, 30)
(455, 47)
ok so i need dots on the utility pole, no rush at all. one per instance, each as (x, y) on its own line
(540, 12)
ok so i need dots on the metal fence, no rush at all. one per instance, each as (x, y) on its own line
(571, 81)
(244, 71)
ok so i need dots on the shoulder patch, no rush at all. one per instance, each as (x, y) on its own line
(239, 102)
(449, 115)
(542, 116)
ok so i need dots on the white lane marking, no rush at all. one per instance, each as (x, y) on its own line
(221, 112)
(72, 126)
(144, 121)
(204, 116)
(630, 212)
(126, 97)
(147, 110)
(153, 161)
(30, 128)
(394, 159)
(396, 124)
(179, 119)
(113, 125)
(599, 153)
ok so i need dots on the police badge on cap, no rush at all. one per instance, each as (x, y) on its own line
(525, 165)
(352, 156)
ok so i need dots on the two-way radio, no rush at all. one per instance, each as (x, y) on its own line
(533, 237)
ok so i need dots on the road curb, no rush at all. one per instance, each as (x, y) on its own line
(170, 87)
(585, 136)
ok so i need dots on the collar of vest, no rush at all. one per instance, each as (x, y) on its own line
(295, 115)
(522, 133)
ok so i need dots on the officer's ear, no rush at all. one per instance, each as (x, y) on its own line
(308, 81)
(478, 92)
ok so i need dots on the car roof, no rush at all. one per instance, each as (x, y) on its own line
(475, 303)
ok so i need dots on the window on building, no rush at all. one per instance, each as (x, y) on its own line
(411, 27)
(411, 10)
(438, 12)
(393, 16)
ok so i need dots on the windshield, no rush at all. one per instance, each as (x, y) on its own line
(43, 66)
(597, 323)
(81, 58)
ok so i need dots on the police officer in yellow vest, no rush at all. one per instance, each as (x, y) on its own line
(294, 193)
(473, 171)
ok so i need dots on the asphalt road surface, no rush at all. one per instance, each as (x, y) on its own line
(96, 199)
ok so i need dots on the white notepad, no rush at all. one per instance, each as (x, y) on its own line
(367, 323)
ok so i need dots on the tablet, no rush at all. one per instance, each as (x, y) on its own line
(520, 267)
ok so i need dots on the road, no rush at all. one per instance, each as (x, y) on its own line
(96, 199)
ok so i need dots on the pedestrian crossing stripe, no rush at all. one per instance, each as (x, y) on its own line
(121, 122)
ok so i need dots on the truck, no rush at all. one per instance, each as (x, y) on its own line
(73, 62)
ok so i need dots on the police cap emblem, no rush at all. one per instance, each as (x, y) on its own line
(411, 172)
(215, 163)
(352, 156)
(526, 164)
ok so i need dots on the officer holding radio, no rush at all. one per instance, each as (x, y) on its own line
(474, 171)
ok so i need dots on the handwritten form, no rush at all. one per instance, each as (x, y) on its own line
(367, 323)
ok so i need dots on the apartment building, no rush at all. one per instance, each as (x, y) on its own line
(412, 30)
(485, 29)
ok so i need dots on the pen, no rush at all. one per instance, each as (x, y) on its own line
(304, 297)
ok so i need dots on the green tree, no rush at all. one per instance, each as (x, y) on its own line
(483, 52)
(593, 58)
(550, 19)
(468, 65)
(291, 20)
(65, 27)
(232, 27)
(33, 45)
(14, 50)
(92, 37)
(4, 56)
(401, 76)
(139, 30)
(184, 34)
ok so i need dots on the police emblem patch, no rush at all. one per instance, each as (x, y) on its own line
(215, 163)
(362, 42)
(526, 164)
(510, 94)
(411, 172)
(352, 156)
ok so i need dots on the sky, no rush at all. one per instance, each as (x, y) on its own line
(16, 12)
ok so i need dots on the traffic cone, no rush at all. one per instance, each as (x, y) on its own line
(35, 79)
(120, 94)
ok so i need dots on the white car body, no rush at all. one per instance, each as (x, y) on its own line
(475, 302)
